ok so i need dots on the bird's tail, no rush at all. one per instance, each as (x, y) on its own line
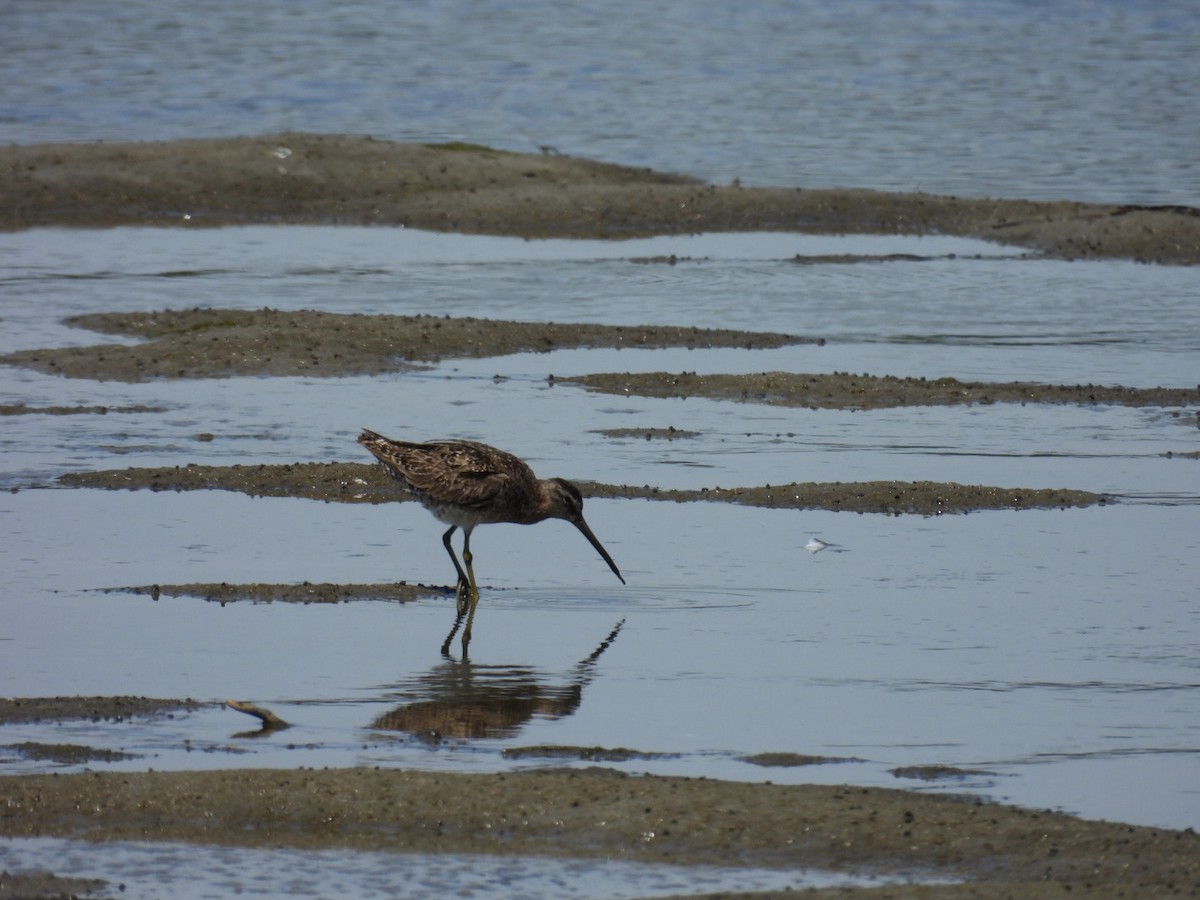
(369, 437)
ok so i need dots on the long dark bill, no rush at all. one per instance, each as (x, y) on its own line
(595, 542)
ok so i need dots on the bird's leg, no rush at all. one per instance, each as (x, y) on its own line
(473, 589)
(460, 588)
(466, 592)
(468, 558)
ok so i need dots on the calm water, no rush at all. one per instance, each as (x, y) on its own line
(189, 872)
(1084, 99)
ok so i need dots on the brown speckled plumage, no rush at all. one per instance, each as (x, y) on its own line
(462, 479)
(465, 483)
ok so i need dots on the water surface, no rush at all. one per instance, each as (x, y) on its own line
(1064, 99)
(1053, 651)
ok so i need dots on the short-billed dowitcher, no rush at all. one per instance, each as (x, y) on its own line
(465, 483)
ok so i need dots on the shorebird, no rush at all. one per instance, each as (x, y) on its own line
(464, 484)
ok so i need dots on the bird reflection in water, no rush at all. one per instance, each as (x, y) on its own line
(469, 701)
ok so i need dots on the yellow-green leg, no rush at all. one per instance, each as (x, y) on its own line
(461, 586)
(466, 590)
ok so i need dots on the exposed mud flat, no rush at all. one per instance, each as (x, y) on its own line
(925, 498)
(989, 850)
(365, 483)
(115, 709)
(338, 179)
(842, 390)
(331, 482)
(222, 343)
(999, 851)
(305, 592)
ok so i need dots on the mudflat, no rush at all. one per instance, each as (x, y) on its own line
(340, 179)
(994, 851)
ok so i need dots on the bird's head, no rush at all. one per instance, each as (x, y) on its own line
(565, 502)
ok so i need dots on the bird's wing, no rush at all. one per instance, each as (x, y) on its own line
(460, 472)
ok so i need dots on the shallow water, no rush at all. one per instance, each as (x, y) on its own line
(190, 872)
(1061, 99)
(1053, 651)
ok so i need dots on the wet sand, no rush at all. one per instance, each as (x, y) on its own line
(999, 851)
(95, 709)
(338, 179)
(222, 343)
(843, 390)
(990, 850)
(367, 483)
